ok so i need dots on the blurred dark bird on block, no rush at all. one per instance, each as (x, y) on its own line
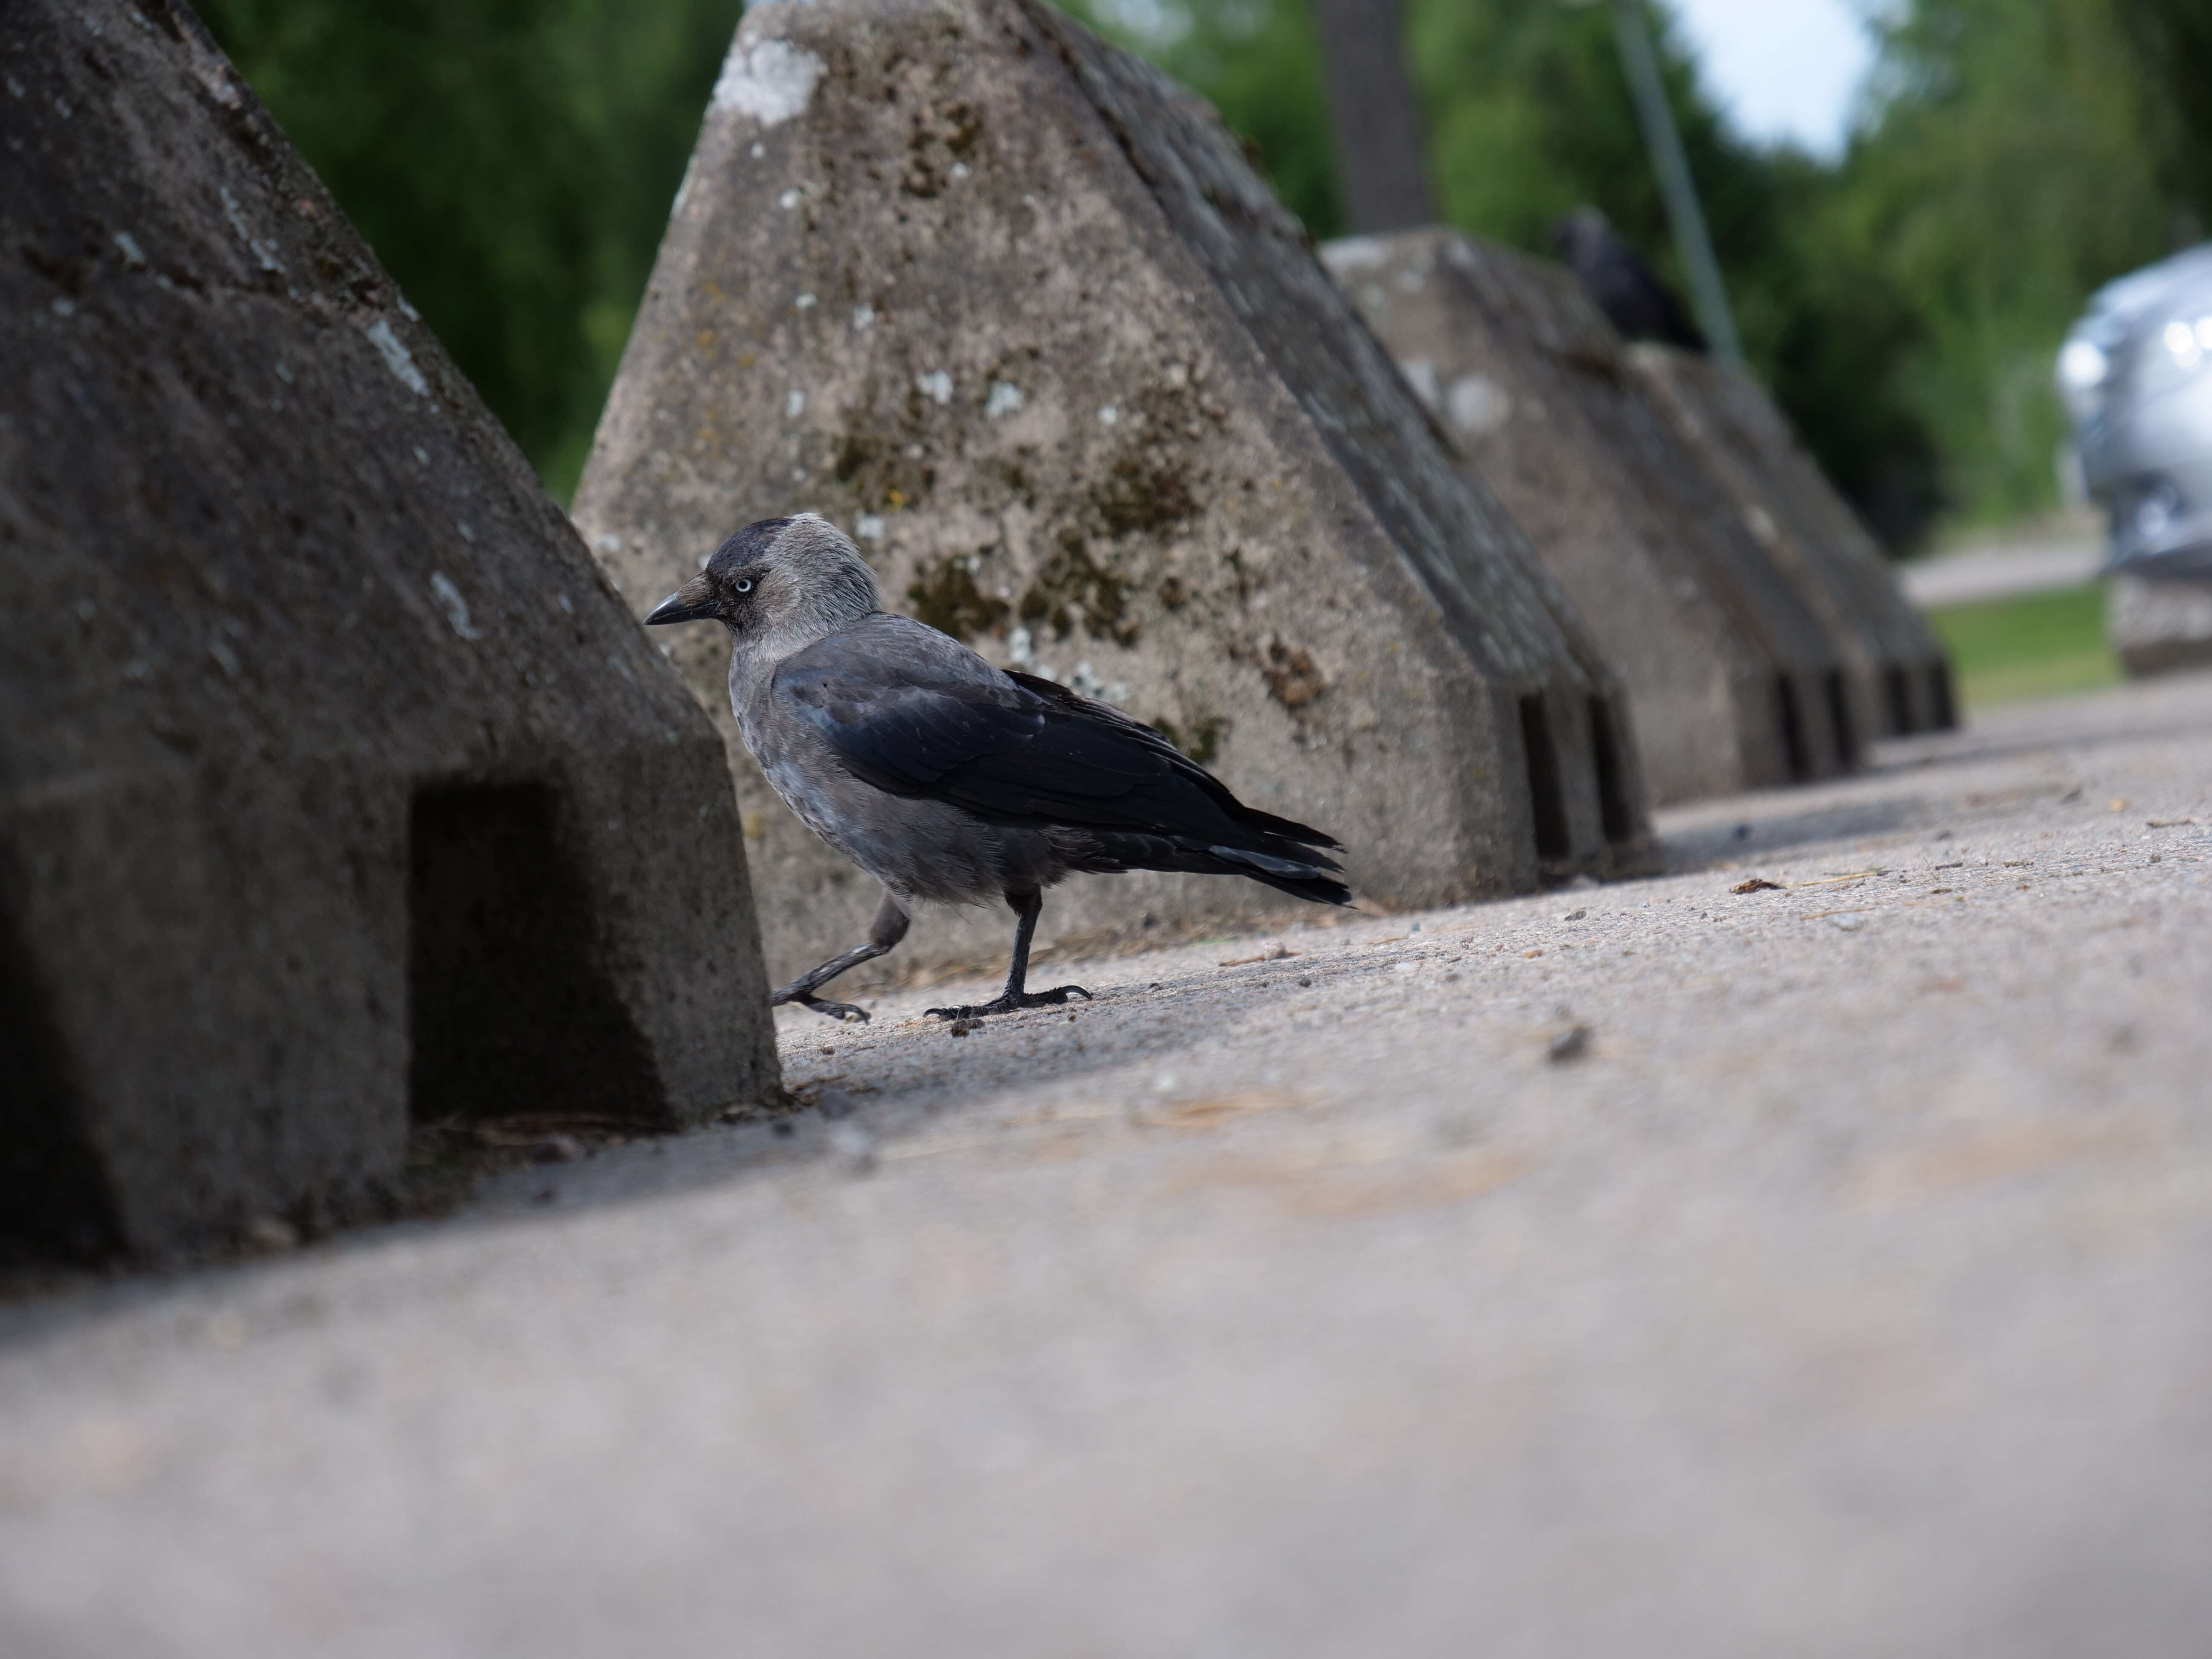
(1622, 283)
(947, 779)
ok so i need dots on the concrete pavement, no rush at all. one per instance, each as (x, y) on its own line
(1844, 1287)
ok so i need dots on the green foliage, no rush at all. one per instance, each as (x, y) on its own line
(1529, 117)
(2007, 171)
(2172, 43)
(1259, 62)
(511, 162)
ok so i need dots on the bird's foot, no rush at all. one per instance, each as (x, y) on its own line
(823, 1006)
(1011, 1004)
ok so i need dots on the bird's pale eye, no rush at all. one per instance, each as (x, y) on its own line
(744, 585)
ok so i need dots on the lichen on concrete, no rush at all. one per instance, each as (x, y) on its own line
(944, 595)
(1072, 589)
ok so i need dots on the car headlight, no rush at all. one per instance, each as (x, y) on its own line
(2082, 366)
(2188, 343)
(2171, 355)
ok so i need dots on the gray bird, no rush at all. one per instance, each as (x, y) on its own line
(947, 779)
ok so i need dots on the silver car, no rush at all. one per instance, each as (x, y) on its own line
(2136, 375)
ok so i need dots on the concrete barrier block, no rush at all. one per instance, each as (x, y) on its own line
(1900, 681)
(1013, 309)
(2160, 625)
(335, 781)
(1728, 674)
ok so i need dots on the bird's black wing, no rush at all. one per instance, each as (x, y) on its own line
(1636, 302)
(903, 712)
(1052, 691)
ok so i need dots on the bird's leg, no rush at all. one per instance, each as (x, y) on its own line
(1026, 906)
(885, 931)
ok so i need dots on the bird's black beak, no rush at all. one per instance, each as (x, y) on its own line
(693, 602)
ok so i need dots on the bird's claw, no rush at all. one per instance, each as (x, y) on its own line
(822, 1005)
(1009, 1004)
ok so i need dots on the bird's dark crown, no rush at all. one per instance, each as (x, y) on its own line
(748, 546)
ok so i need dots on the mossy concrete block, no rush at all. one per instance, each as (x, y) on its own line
(1013, 308)
(334, 779)
(2160, 625)
(1729, 675)
(1900, 679)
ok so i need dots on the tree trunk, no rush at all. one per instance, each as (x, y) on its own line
(1379, 160)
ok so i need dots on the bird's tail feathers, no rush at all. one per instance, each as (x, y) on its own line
(1302, 880)
(1285, 866)
(1267, 823)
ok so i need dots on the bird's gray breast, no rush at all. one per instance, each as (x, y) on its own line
(798, 764)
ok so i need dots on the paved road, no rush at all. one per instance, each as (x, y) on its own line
(1849, 1292)
(1981, 573)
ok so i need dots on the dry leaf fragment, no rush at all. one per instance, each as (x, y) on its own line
(1757, 884)
(1207, 1110)
(1280, 953)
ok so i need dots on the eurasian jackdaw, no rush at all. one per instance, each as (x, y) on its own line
(1620, 279)
(945, 778)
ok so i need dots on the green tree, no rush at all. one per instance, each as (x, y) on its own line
(1259, 63)
(2006, 168)
(512, 162)
(2172, 44)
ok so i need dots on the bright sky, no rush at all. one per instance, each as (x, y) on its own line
(1783, 69)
